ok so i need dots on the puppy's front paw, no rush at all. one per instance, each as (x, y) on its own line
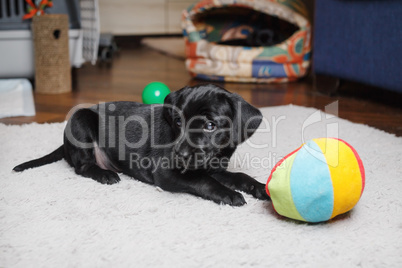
(231, 198)
(258, 191)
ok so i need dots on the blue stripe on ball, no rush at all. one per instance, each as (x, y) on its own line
(311, 184)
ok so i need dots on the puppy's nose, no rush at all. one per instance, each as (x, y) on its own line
(185, 153)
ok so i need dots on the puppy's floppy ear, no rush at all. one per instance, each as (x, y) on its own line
(168, 104)
(247, 119)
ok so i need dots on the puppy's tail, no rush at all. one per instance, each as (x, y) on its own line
(54, 156)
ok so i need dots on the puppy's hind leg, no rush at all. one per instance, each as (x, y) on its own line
(80, 139)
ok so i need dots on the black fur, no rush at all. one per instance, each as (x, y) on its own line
(181, 146)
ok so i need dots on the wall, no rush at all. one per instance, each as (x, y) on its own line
(144, 17)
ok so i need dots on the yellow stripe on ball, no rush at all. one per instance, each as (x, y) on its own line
(345, 174)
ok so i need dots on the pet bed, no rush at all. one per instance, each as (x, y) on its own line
(246, 40)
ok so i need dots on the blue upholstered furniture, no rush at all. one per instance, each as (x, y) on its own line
(359, 40)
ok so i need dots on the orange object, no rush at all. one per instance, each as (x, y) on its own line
(34, 10)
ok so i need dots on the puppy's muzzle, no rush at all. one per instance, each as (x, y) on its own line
(183, 155)
(188, 157)
(182, 152)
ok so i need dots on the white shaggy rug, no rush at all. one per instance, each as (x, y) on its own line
(50, 217)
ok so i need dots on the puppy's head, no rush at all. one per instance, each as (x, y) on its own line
(208, 123)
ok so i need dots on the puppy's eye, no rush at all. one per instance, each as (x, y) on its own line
(209, 127)
(178, 122)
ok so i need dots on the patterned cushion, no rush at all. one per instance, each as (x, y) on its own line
(209, 25)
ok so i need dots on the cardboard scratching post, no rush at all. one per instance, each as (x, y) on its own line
(52, 60)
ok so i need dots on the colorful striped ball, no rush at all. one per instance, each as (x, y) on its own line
(318, 181)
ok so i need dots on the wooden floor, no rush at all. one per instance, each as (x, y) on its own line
(133, 68)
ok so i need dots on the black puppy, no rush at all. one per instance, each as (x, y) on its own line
(181, 146)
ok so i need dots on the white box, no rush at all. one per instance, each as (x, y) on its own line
(17, 53)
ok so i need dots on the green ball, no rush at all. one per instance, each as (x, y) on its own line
(155, 93)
